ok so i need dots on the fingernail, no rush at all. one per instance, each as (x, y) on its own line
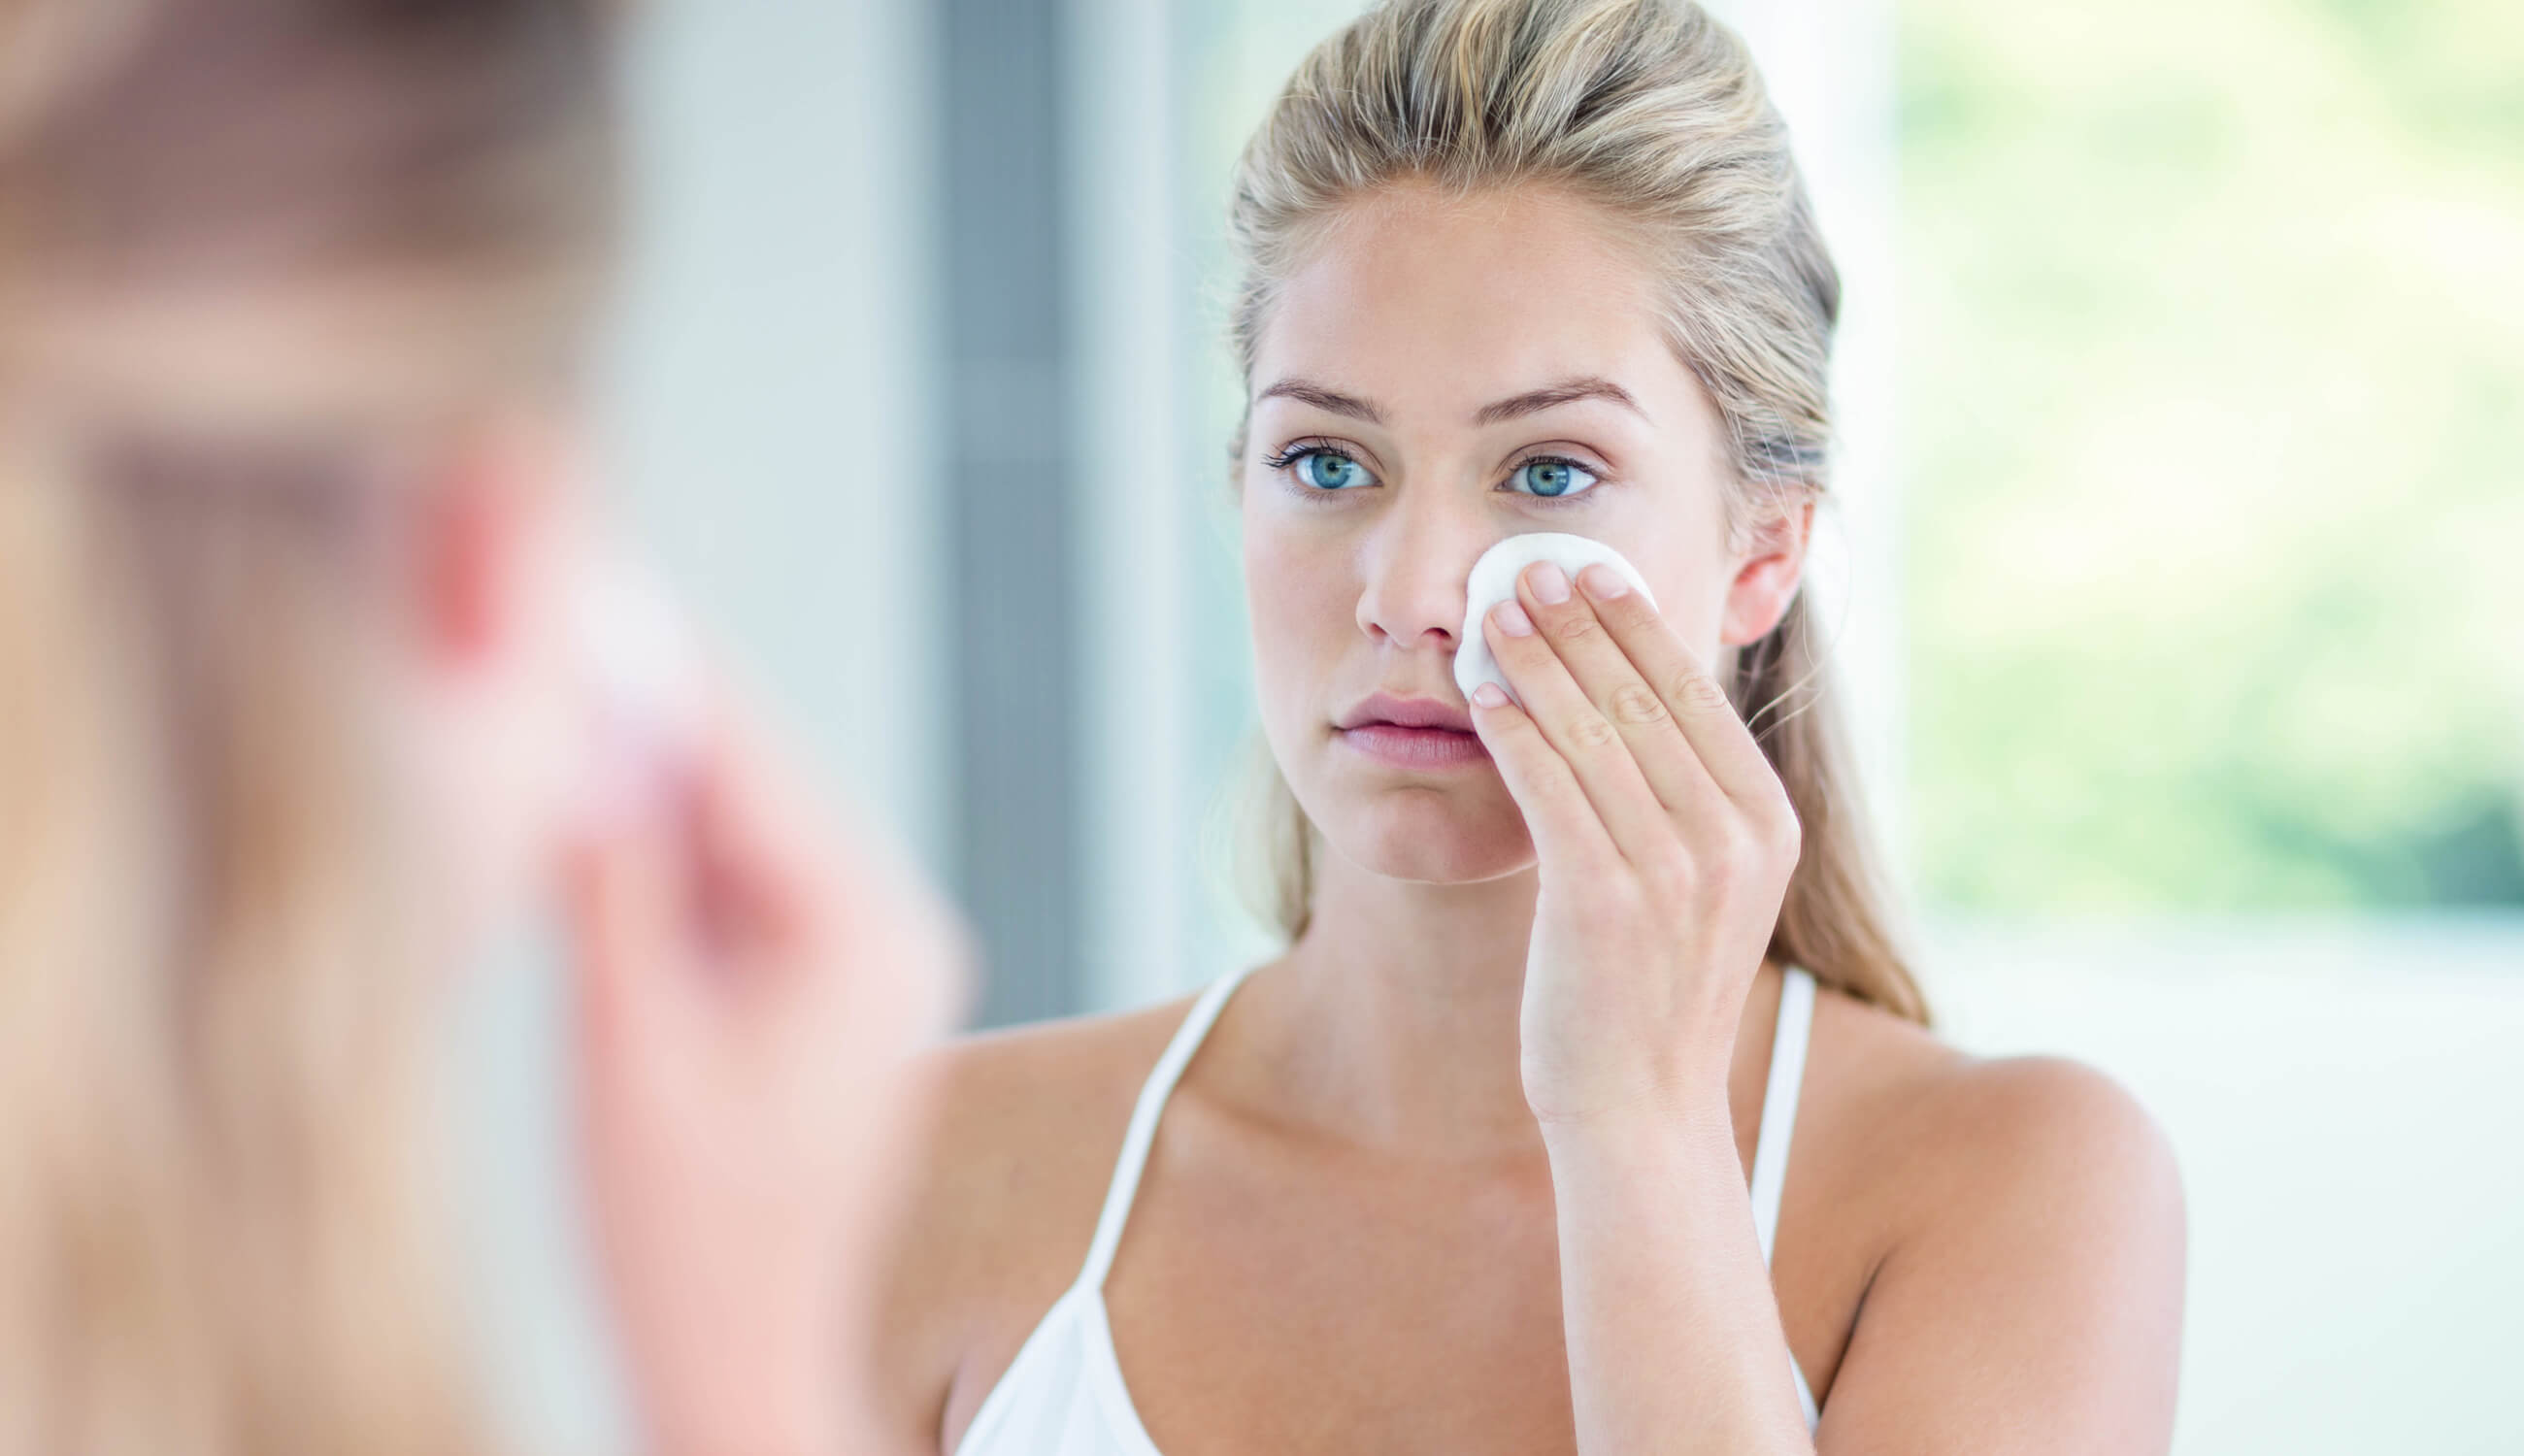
(1489, 695)
(1602, 582)
(1550, 585)
(1512, 619)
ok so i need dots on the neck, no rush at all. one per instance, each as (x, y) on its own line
(1394, 1020)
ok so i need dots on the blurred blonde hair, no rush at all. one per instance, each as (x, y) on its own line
(1654, 111)
(216, 982)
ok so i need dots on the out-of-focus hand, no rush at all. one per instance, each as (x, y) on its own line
(751, 983)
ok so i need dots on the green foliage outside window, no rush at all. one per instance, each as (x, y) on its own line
(2213, 402)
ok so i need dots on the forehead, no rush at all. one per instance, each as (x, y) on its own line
(1437, 301)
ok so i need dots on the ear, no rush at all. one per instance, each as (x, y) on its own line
(1767, 577)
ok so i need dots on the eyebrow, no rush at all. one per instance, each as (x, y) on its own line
(1514, 406)
(1566, 391)
(1306, 392)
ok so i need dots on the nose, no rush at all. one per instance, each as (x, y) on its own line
(1415, 564)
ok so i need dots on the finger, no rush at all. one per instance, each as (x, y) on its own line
(1621, 693)
(826, 899)
(623, 909)
(1698, 702)
(772, 879)
(1593, 749)
(1568, 834)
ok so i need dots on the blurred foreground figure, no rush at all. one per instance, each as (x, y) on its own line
(297, 701)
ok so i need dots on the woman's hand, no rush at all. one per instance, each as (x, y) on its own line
(1666, 844)
(751, 986)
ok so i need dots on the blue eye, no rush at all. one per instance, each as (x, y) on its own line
(1552, 478)
(1329, 470)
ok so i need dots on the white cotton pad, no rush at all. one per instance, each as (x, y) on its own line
(642, 664)
(636, 645)
(1493, 581)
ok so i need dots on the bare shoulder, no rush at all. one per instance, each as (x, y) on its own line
(1993, 1240)
(1025, 1113)
(1957, 1132)
(1992, 1244)
(1024, 1127)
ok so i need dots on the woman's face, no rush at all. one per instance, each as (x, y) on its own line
(1440, 373)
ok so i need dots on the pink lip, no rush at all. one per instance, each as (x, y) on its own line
(1415, 748)
(1407, 713)
(1419, 733)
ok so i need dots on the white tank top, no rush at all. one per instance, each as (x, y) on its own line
(1064, 1395)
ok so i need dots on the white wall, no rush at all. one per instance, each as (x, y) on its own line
(1133, 505)
(770, 404)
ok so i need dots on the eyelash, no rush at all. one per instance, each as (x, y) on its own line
(1559, 459)
(1298, 450)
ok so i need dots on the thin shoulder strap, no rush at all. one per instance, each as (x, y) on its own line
(1144, 1127)
(1779, 1103)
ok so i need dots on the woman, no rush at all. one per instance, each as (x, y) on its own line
(1466, 1169)
(294, 704)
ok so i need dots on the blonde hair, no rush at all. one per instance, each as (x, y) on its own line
(217, 987)
(1654, 111)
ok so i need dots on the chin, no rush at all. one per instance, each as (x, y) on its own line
(1426, 833)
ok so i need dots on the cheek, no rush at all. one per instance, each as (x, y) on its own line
(1692, 600)
(1682, 554)
(1300, 600)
